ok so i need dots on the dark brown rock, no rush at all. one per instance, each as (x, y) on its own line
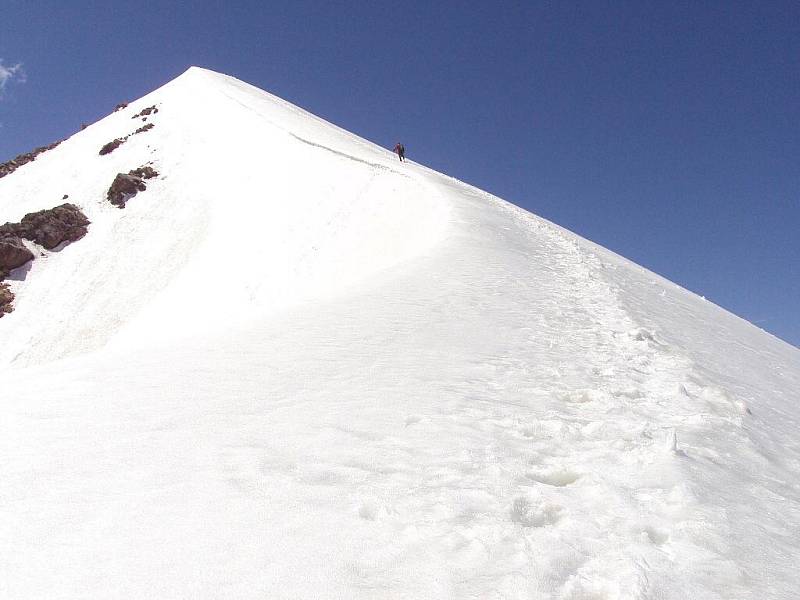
(10, 230)
(120, 106)
(145, 111)
(111, 146)
(144, 128)
(13, 254)
(12, 165)
(114, 144)
(48, 228)
(145, 172)
(6, 298)
(52, 227)
(124, 187)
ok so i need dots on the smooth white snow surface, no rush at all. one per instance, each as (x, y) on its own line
(297, 368)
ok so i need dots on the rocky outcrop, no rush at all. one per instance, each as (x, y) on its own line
(145, 172)
(13, 254)
(12, 165)
(55, 226)
(126, 185)
(49, 228)
(144, 128)
(146, 111)
(114, 144)
(123, 188)
(120, 106)
(111, 146)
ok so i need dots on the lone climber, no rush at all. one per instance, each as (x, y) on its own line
(400, 150)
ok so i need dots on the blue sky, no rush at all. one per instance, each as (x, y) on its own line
(666, 131)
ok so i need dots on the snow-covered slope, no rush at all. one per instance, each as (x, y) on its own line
(296, 368)
(259, 205)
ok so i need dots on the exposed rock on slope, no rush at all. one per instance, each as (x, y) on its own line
(52, 227)
(116, 143)
(12, 165)
(127, 185)
(13, 254)
(124, 188)
(145, 172)
(6, 298)
(145, 111)
(111, 146)
(48, 228)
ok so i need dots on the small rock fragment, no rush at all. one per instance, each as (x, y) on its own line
(6, 298)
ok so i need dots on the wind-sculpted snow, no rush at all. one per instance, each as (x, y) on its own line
(482, 406)
(246, 218)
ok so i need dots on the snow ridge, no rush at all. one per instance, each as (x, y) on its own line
(653, 409)
(353, 378)
(626, 415)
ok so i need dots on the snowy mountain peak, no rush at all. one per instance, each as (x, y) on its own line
(254, 197)
(296, 367)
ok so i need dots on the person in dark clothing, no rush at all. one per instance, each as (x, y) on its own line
(400, 150)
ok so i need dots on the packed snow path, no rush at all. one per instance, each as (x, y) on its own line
(511, 412)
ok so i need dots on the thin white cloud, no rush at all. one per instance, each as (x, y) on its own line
(11, 73)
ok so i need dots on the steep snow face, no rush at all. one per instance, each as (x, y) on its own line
(468, 402)
(259, 205)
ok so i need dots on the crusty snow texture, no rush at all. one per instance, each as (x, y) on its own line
(297, 368)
